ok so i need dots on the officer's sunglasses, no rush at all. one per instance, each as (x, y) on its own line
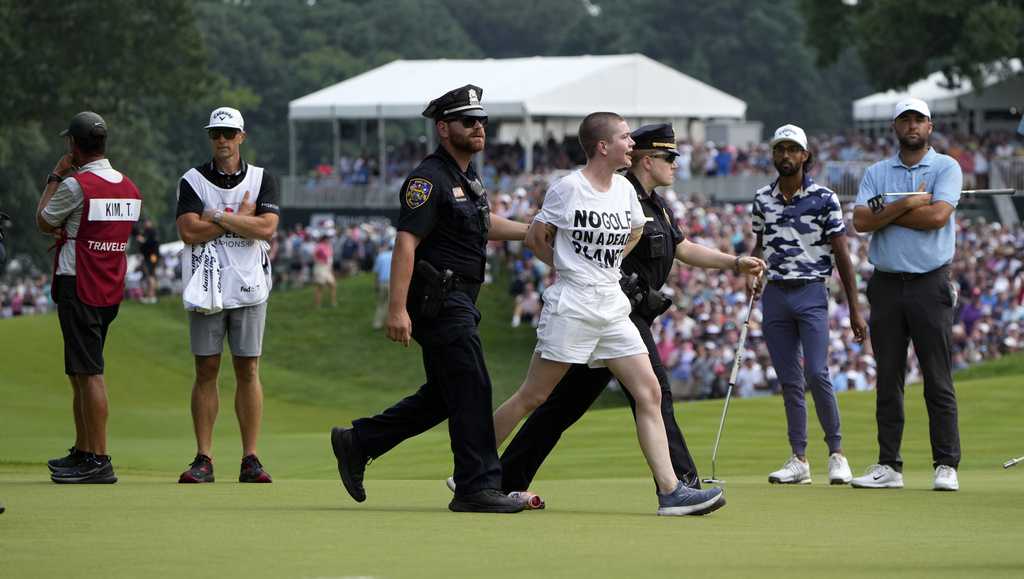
(469, 122)
(667, 157)
(228, 134)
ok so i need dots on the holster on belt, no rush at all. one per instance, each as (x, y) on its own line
(653, 305)
(645, 302)
(434, 288)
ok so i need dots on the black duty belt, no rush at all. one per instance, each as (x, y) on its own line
(794, 283)
(909, 276)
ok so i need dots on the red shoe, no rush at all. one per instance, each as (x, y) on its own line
(200, 471)
(252, 471)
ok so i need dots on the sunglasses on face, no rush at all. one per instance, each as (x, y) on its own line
(469, 122)
(228, 134)
(667, 157)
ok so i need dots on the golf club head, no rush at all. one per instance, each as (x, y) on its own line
(713, 481)
(1012, 462)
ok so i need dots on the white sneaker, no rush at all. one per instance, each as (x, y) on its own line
(838, 469)
(878, 476)
(945, 479)
(794, 472)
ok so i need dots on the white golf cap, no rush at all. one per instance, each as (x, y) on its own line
(911, 104)
(790, 133)
(226, 117)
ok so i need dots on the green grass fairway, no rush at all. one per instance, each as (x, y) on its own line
(327, 367)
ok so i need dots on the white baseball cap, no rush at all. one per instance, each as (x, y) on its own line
(911, 104)
(789, 133)
(226, 117)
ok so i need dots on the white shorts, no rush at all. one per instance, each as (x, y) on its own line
(586, 325)
(322, 274)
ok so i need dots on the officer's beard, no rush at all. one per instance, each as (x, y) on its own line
(466, 143)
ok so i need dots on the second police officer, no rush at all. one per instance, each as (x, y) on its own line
(653, 165)
(437, 268)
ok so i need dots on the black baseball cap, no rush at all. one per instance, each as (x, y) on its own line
(461, 102)
(84, 125)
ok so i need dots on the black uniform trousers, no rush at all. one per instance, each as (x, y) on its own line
(571, 398)
(458, 389)
(918, 308)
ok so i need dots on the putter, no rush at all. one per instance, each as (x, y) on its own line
(728, 392)
(1013, 462)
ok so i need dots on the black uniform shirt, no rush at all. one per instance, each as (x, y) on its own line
(652, 257)
(448, 210)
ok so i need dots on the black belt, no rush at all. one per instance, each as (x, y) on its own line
(794, 283)
(909, 276)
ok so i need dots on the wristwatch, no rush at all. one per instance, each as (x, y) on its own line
(736, 264)
(217, 215)
(53, 178)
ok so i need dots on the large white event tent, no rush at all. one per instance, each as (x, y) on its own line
(519, 89)
(963, 106)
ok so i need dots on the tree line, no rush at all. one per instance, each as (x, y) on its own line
(155, 69)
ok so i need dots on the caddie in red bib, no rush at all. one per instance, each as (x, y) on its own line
(91, 209)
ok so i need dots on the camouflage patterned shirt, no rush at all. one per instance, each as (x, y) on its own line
(796, 236)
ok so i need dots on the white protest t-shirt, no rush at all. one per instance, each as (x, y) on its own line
(593, 227)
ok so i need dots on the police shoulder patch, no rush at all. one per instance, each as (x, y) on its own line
(417, 191)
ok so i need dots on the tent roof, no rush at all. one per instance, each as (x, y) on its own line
(632, 85)
(933, 90)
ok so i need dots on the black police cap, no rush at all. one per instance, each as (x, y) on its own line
(84, 125)
(657, 137)
(461, 102)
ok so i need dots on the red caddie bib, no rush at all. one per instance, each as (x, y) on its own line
(108, 213)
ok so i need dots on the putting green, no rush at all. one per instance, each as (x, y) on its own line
(599, 521)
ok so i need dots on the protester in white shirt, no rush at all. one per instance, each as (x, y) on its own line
(590, 219)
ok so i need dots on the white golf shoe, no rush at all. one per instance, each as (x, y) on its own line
(878, 476)
(794, 472)
(945, 479)
(838, 469)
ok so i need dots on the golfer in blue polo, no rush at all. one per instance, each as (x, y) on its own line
(800, 232)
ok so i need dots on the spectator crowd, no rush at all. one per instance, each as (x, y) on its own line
(698, 336)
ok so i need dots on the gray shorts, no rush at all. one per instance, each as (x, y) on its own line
(243, 326)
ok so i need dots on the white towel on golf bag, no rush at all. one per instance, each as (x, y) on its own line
(203, 293)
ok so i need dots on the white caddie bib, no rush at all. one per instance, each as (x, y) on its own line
(244, 264)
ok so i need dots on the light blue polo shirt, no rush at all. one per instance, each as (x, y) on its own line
(895, 248)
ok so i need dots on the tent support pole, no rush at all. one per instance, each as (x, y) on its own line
(336, 140)
(382, 149)
(528, 144)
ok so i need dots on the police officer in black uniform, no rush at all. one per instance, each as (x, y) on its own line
(651, 261)
(436, 272)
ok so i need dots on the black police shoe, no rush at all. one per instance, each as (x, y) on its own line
(486, 501)
(351, 461)
(74, 455)
(93, 469)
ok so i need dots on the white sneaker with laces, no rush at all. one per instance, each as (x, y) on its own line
(838, 469)
(878, 476)
(945, 479)
(794, 472)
